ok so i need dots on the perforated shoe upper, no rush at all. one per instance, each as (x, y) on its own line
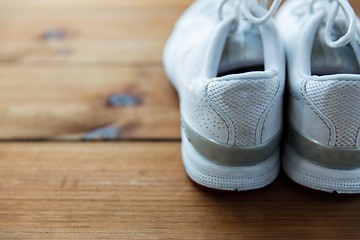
(238, 108)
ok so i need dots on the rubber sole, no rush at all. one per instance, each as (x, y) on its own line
(229, 178)
(318, 177)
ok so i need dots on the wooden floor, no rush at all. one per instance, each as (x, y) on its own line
(74, 73)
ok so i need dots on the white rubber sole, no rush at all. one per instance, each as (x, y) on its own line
(228, 178)
(317, 177)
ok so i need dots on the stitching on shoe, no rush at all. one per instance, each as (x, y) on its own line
(357, 143)
(318, 112)
(212, 105)
(270, 107)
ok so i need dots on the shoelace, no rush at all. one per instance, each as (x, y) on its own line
(243, 7)
(353, 28)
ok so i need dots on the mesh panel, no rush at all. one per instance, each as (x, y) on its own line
(244, 102)
(340, 102)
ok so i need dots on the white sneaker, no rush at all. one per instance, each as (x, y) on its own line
(323, 139)
(228, 65)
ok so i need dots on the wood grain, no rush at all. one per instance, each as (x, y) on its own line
(119, 32)
(84, 37)
(140, 191)
(63, 61)
(133, 102)
(91, 70)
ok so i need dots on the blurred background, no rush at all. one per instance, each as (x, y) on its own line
(86, 69)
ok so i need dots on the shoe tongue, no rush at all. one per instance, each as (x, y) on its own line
(355, 44)
(243, 48)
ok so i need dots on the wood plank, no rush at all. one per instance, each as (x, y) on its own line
(34, 4)
(130, 102)
(140, 191)
(39, 4)
(82, 37)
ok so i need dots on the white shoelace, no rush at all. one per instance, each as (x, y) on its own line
(352, 32)
(244, 6)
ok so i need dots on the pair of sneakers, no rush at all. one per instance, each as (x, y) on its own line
(227, 61)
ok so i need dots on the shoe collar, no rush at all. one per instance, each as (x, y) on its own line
(271, 43)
